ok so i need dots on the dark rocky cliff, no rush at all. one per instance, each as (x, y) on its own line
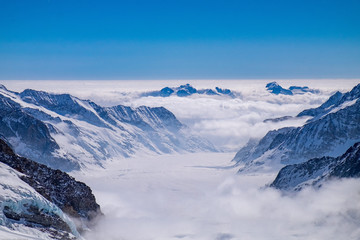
(73, 197)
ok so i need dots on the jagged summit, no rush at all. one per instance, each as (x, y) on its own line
(3, 87)
(332, 130)
(336, 101)
(62, 104)
(315, 172)
(275, 88)
(185, 90)
(188, 90)
(65, 132)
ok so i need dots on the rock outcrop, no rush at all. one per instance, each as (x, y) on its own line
(188, 90)
(333, 128)
(315, 172)
(67, 133)
(73, 197)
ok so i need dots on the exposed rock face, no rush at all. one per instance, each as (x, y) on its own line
(330, 132)
(333, 100)
(25, 210)
(67, 133)
(16, 123)
(34, 216)
(62, 104)
(315, 172)
(275, 88)
(72, 197)
(188, 90)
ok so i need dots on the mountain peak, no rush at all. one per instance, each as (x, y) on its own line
(69, 133)
(275, 88)
(333, 129)
(186, 90)
(3, 87)
(335, 101)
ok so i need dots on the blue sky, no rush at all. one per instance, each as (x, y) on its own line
(60, 39)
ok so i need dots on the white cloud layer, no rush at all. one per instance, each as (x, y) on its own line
(228, 123)
(189, 197)
(199, 196)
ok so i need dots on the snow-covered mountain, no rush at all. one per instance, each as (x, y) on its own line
(275, 88)
(315, 172)
(24, 212)
(187, 90)
(37, 202)
(67, 133)
(333, 128)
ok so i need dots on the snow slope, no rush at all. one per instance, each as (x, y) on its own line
(188, 90)
(275, 88)
(18, 198)
(333, 128)
(69, 133)
(315, 172)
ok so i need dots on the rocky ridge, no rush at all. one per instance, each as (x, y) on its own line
(67, 133)
(333, 128)
(315, 172)
(275, 88)
(188, 90)
(74, 198)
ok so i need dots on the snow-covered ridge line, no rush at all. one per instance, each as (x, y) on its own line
(315, 172)
(69, 133)
(333, 128)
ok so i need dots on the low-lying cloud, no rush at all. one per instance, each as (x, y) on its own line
(236, 209)
(228, 123)
(199, 196)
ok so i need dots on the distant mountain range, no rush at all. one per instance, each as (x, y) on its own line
(188, 90)
(332, 129)
(67, 133)
(275, 88)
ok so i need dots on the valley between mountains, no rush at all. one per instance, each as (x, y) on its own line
(167, 166)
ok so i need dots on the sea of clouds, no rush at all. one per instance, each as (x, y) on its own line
(190, 197)
(199, 195)
(228, 122)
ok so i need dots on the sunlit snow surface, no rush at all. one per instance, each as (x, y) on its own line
(199, 195)
(227, 122)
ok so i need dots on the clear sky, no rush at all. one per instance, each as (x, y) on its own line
(85, 39)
